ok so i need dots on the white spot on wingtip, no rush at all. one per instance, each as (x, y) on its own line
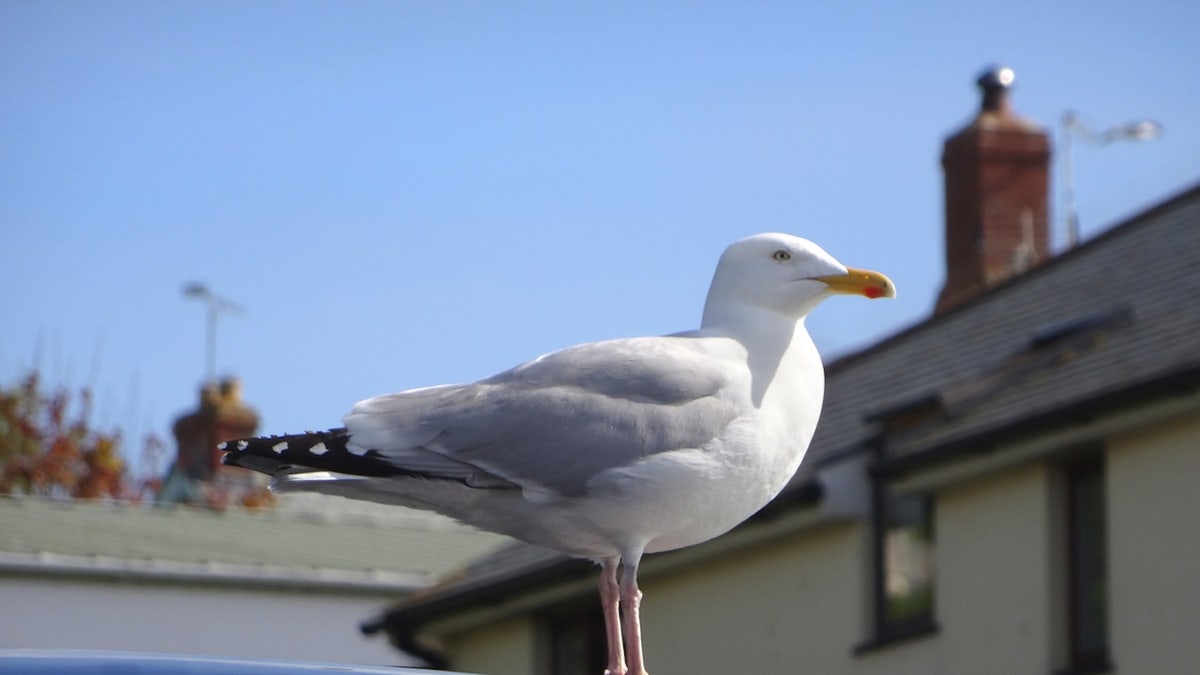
(279, 447)
(319, 449)
(221, 446)
(242, 445)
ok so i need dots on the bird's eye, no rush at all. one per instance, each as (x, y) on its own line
(781, 256)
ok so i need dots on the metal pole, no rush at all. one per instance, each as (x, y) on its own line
(1069, 184)
(1142, 130)
(211, 346)
(214, 304)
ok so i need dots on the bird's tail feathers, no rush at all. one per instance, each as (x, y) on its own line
(310, 451)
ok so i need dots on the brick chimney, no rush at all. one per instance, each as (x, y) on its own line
(997, 173)
(197, 477)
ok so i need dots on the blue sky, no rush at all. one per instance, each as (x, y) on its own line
(409, 193)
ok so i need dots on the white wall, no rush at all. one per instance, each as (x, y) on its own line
(502, 647)
(1154, 532)
(82, 614)
(788, 607)
(995, 590)
(800, 604)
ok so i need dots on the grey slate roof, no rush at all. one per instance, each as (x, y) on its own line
(1113, 315)
(1108, 323)
(308, 541)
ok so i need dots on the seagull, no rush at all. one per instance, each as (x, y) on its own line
(606, 450)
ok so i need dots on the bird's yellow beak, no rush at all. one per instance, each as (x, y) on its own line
(860, 282)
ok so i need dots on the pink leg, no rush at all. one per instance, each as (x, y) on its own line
(610, 599)
(631, 602)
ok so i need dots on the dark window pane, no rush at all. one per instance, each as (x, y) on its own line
(576, 644)
(1088, 564)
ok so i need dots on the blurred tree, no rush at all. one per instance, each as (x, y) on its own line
(49, 448)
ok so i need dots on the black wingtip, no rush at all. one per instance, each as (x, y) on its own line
(316, 450)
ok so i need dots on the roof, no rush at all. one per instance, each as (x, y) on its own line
(1109, 323)
(310, 541)
(1115, 316)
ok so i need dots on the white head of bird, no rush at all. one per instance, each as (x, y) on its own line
(784, 275)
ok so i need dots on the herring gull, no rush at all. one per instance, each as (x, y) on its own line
(606, 450)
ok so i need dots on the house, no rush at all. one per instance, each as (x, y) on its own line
(292, 582)
(192, 575)
(1006, 487)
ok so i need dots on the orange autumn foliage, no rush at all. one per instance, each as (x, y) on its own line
(49, 448)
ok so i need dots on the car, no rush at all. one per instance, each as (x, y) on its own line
(100, 662)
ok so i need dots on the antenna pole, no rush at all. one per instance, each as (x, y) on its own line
(211, 341)
(215, 304)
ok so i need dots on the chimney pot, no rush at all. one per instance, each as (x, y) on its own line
(995, 82)
(231, 391)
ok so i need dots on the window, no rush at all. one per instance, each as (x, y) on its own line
(1087, 566)
(907, 565)
(903, 572)
(574, 641)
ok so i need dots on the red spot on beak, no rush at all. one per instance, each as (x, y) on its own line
(872, 292)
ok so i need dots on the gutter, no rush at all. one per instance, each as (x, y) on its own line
(209, 574)
(1085, 411)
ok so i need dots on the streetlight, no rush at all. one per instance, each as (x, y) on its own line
(1073, 125)
(216, 305)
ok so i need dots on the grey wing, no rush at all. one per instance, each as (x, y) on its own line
(553, 424)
